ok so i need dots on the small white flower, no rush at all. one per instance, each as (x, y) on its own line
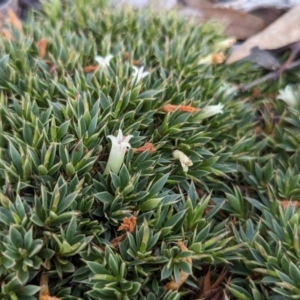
(211, 110)
(288, 96)
(119, 144)
(139, 74)
(103, 61)
(184, 160)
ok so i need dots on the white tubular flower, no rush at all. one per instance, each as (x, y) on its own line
(211, 110)
(287, 95)
(103, 61)
(119, 144)
(184, 160)
(139, 74)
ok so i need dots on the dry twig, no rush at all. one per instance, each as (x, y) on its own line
(270, 75)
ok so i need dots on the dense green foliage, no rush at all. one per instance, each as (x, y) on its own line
(59, 212)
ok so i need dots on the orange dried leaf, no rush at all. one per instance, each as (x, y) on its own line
(44, 289)
(14, 20)
(182, 246)
(285, 203)
(182, 108)
(147, 147)
(128, 224)
(169, 108)
(7, 35)
(42, 45)
(90, 69)
(218, 58)
(174, 285)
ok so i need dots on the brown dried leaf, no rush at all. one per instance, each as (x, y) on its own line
(220, 279)
(200, 192)
(42, 45)
(285, 203)
(284, 31)
(6, 34)
(44, 289)
(214, 294)
(53, 67)
(13, 20)
(182, 108)
(128, 224)
(173, 285)
(117, 240)
(212, 291)
(147, 147)
(238, 24)
(90, 69)
(127, 57)
(258, 130)
(256, 93)
(206, 283)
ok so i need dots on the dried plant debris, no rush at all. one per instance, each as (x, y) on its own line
(174, 285)
(284, 31)
(146, 147)
(182, 108)
(128, 225)
(42, 47)
(212, 290)
(286, 203)
(44, 289)
(238, 24)
(14, 21)
(90, 69)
